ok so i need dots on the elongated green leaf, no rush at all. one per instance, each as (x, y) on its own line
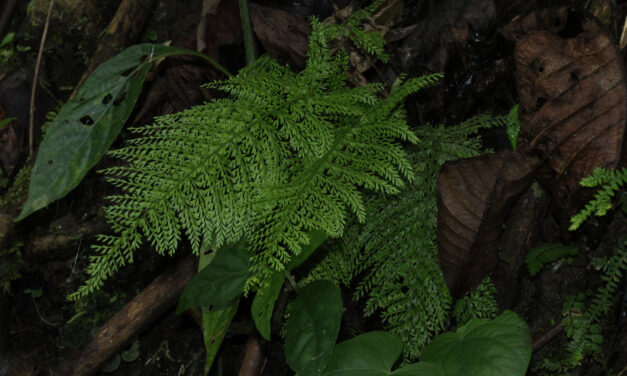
(215, 323)
(313, 327)
(87, 125)
(263, 304)
(369, 354)
(220, 282)
(483, 348)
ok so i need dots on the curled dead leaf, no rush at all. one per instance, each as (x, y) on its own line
(474, 196)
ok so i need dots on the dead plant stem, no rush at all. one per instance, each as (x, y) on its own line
(31, 123)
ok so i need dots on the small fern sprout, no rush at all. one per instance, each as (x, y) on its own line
(610, 182)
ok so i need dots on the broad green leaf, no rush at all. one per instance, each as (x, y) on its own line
(263, 304)
(369, 354)
(483, 348)
(540, 256)
(220, 282)
(420, 369)
(87, 124)
(313, 327)
(215, 323)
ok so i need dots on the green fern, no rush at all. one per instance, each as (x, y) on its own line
(582, 322)
(394, 253)
(480, 303)
(351, 29)
(285, 154)
(611, 182)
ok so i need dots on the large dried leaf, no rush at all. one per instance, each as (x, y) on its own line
(572, 113)
(572, 107)
(474, 196)
(283, 35)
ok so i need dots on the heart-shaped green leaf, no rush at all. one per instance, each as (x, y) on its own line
(219, 282)
(484, 348)
(263, 304)
(313, 327)
(369, 354)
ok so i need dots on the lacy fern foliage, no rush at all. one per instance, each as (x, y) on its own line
(609, 182)
(582, 322)
(286, 153)
(480, 303)
(393, 255)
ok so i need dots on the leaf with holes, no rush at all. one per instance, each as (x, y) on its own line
(263, 304)
(573, 101)
(313, 327)
(87, 125)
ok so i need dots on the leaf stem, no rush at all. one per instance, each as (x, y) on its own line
(247, 32)
(291, 279)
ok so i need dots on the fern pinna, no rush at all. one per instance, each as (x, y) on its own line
(286, 153)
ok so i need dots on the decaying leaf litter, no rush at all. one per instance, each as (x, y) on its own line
(561, 64)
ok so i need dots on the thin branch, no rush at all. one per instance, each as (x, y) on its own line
(546, 337)
(31, 125)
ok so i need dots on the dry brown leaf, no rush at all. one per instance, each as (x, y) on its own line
(573, 100)
(283, 35)
(474, 196)
(572, 109)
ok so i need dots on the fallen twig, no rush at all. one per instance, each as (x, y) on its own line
(150, 304)
(546, 337)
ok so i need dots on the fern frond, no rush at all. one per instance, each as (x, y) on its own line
(369, 41)
(480, 303)
(610, 182)
(285, 154)
(394, 253)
